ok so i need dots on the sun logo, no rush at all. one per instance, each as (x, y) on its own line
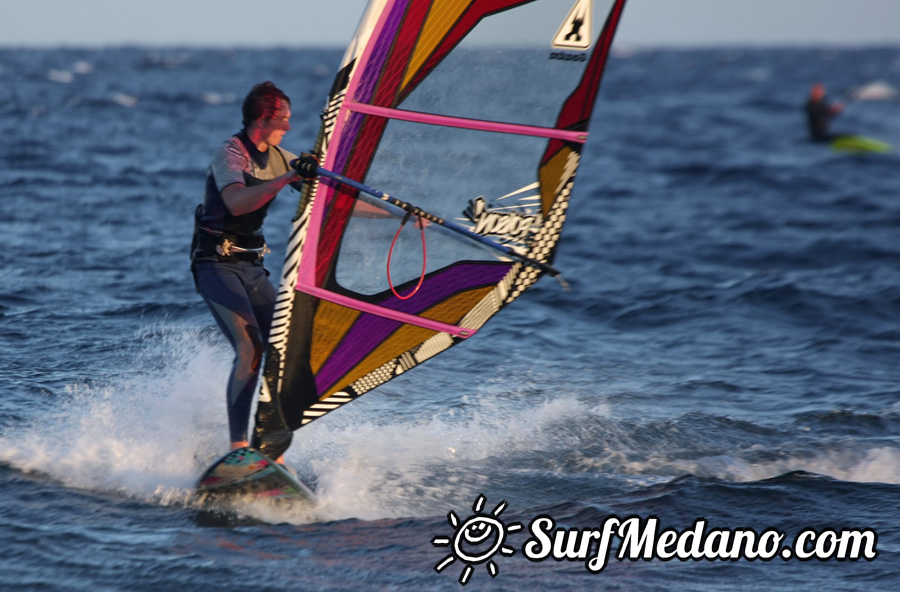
(476, 540)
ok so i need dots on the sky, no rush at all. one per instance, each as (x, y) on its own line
(303, 23)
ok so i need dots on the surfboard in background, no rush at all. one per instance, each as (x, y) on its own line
(856, 143)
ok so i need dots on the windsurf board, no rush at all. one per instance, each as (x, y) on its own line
(248, 474)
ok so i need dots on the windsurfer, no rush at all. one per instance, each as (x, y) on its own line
(245, 174)
(819, 113)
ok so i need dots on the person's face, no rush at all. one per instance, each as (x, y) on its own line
(275, 127)
(818, 92)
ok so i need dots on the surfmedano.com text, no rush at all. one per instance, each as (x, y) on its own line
(642, 539)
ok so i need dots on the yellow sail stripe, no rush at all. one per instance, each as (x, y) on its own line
(555, 174)
(331, 323)
(441, 18)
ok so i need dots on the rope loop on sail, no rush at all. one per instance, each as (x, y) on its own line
(421, 224)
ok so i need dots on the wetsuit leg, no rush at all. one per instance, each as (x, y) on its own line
(242, 300)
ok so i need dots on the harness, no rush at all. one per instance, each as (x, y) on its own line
(209, 244)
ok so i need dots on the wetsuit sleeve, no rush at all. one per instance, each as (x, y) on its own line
(228, 165)
(287, 156)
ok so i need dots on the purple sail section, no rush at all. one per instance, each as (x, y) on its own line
(373, 330)
(369, 80)
(446, 282)
(370, 331)
(370, 77)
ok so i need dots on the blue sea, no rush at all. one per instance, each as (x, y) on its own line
(727, 353)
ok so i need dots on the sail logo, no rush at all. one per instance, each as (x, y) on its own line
(476, 540)
(511, 225)
(575, 31)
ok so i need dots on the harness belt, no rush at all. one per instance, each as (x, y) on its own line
(215, 245)
(210, 244)
(228, 249)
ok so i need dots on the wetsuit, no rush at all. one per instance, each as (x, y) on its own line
(819, 115)
(227, 262)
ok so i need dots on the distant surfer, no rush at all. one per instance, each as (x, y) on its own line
(245, 174)
(819, 113)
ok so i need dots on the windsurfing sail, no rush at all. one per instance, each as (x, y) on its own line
(475, 112)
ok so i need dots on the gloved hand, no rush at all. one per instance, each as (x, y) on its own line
(306, 166)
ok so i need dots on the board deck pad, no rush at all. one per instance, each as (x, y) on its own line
(248, 473)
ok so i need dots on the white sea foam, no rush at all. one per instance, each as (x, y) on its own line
(137, 433)
(60, 76)
(123, 99)
(82, 67)
(878, 90)
(369, 470)
(149, 431)
(878, 464)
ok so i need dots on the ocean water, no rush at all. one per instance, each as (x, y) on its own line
(728, 350)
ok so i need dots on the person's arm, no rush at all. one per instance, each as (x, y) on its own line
(242, 199)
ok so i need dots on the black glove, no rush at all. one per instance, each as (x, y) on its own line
(307, 166)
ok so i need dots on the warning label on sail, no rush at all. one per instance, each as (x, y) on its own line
(575, 32)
